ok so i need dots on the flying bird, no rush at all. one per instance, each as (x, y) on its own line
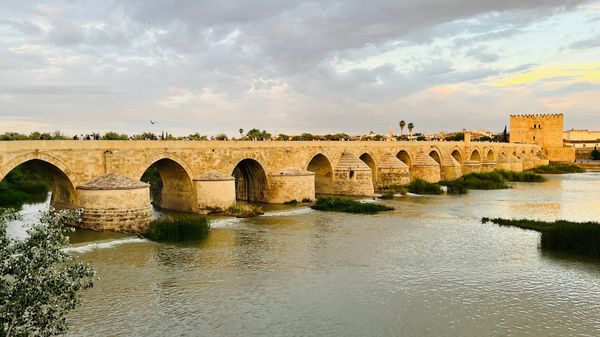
(152, 122)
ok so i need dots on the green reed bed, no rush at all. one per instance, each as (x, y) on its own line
(180, 228)
(336, 204)
(557, 168)
(582, 238)
(418, 186)
(242, 210)
(521, 177)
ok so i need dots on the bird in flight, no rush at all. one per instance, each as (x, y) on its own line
(152, 122)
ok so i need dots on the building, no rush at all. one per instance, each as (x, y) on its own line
(545, 130)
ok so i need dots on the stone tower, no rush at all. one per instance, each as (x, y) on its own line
(545, 130)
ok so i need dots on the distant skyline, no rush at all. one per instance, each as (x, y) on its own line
(296, 66)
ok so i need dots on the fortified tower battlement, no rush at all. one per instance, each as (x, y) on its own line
(545, 130)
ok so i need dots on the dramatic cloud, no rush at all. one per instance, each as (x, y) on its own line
(293, 66)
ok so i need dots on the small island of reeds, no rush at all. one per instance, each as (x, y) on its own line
(558, 168)
(243, 210)
(179, 228)
(581, 238)
(494, 180)
(336, 204)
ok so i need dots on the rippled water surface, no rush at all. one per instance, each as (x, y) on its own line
(430, 268)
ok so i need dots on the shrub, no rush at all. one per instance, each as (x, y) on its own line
(242, 210)
(387, 196)
(291, 202)
(521, 176)
(582, 238)
(558, 168)
(336, 204)
(179, 228)
(455, 186)
(484, 181)
(419, 186)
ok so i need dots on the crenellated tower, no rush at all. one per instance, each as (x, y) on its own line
(545, 130)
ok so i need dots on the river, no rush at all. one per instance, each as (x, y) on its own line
(430, 268)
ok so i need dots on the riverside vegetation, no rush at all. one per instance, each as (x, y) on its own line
(346, 205)
(24, 184)
(179, 228)
(557, 168)
(39, 282)
(582, 238)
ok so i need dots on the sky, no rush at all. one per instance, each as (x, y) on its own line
(325, 66)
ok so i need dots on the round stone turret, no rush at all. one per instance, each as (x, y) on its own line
(115, 202)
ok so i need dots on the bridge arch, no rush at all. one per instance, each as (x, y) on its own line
(171, 184)
(251, 182)
(63, 179)
(404, 157)
(323, 170)
(368, 159)
(490, 156)
(475, 156)
(436, 155)
(457, 156)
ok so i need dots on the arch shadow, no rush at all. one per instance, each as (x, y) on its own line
(251, 182)
(320, 165)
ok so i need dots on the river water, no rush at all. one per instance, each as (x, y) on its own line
(430, 268)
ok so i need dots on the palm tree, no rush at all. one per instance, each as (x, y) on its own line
(410, 128)
(241, 133)
(402, 124)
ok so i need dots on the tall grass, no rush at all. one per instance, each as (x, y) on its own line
(180, 228)
(336, 204)
(243, 210)
(582, 238)
(526, 177)
(418, 186)
(557, 168)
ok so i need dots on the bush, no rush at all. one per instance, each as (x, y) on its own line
(241, 210)
(484, 181)
(12, 198)
(336, 204)
(557, 168)
(387, 196)
(419, 186)
(572, 237)
(179, 228)
(39, 282)
(455, 186)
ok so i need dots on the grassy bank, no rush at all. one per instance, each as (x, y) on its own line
(582, 238)
(494, 180)
(335, 204)
(181, 228)
(557, 168)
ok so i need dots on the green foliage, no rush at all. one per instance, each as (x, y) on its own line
(572, 237)
(256, 134)
(39, 283)
(387, 196)
(25, 183)
(197, 136)
(505, 135)
(282, 136)
(145, 136)
(595, 154)
(335, 204)
(243, 210)
(221, 136)
(558, 168)
(114, 136)
(419, 186)
(179, 228)
(456, 187)
(528, 177)
(152, 177)
(291, 202)
(483, 181)
(457, 137)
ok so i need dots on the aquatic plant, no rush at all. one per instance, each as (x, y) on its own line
(387, 196)
(180, 228)
(337, 204)
(419, 186)
(243, 210)
(527, 176)
(558, 168)
(582, 238)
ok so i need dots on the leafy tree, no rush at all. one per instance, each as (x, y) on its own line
(402, 124)
(456, 137)
(221, 136)
(421, 138)
(282, 136)
(114, 136)
(57, 135)
(146, 136)
(197, 136)
(39, 282)
(241, 132)
(256, 134)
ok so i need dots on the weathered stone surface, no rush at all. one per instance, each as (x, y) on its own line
(112, 181)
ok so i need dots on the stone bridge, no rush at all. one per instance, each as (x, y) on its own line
(198, 176)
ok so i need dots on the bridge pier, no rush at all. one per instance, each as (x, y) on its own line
(215, 191)
(291, 184)
(426, 168)
(392, 171)
(450, 169)
(471, 166)
(352, 176)
(488, 166)
(114, 202)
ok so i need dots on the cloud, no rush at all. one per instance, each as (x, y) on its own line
(586, 44)
(569, 73)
